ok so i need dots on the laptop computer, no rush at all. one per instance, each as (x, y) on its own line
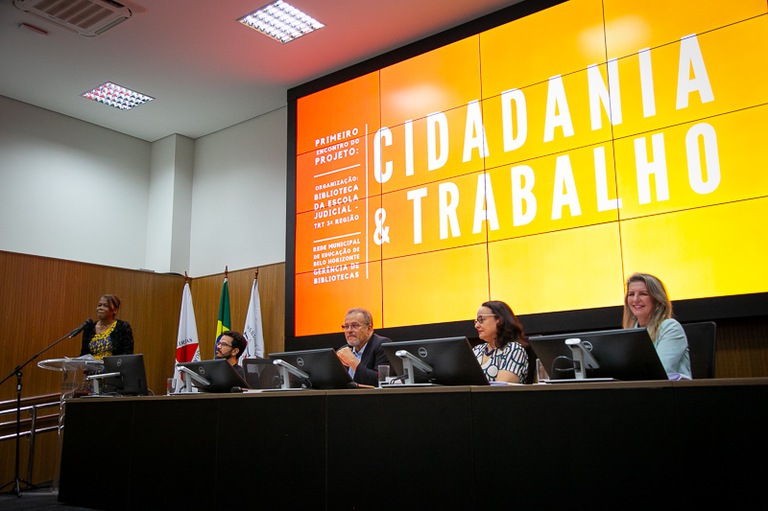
(261, 373)
(619, 354)
(219, 374)
(324, 368)
(450, 359)
(132, 380)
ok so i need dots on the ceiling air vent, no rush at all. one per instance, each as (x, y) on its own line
(86, 17)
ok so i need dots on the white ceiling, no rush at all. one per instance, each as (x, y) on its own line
(206, 71)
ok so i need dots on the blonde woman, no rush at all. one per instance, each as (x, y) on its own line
(647, 305)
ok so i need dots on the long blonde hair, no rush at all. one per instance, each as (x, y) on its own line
(662, 307)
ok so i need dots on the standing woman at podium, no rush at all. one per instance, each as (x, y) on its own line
(109, 335)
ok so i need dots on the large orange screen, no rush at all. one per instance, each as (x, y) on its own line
(539, 162)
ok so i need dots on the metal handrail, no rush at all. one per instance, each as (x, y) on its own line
(28, 407)
(29, 433)
(11, 403)
(29, 425)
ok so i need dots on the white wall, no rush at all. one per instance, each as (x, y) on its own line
(170, 203)
(238, 198)
(159, 208)
(71, 190)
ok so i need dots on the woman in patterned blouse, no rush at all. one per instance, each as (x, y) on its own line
(503, 356)
(109, 335)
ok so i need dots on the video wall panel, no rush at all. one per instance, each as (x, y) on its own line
(539, 162)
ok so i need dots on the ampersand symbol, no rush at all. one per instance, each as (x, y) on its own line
(381, 235)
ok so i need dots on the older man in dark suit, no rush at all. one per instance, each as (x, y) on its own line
(363, 353)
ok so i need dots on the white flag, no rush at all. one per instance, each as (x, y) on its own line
(187, 342)
(252, 331)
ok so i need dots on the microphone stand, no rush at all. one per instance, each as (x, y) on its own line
(17, 481)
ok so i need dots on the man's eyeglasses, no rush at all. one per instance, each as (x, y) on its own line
(222, 343)
(481, 317)
(352, 326)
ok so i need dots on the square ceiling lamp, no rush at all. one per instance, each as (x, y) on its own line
(117, 96)
(281, 21)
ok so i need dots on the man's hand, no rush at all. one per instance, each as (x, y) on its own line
(347, 357)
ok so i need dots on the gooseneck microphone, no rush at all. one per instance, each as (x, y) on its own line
(80, 328)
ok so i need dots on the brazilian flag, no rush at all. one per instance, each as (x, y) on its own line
(224, 323)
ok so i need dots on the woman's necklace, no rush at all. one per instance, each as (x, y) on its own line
(101, 329)
(488, 350)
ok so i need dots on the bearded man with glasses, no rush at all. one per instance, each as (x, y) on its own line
(363, 354)
(230, 346)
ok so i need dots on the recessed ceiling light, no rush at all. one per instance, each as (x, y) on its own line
(281, 21)
(117, 96)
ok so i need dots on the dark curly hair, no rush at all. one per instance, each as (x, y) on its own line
(509, 328)
(238, 341)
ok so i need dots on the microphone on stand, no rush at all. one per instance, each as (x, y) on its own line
(80, 328)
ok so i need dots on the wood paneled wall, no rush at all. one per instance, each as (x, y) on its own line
(206, 293)
(43, 299)
(742, 347)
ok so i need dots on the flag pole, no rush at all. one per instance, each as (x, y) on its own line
(253, 329)
(187, 341)
(224, 321)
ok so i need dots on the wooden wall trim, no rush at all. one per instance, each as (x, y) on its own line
(43, 299)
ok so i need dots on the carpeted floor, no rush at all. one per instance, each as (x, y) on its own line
(43, 499)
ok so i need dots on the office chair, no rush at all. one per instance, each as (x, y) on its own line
(531, 378)
(701, 345)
